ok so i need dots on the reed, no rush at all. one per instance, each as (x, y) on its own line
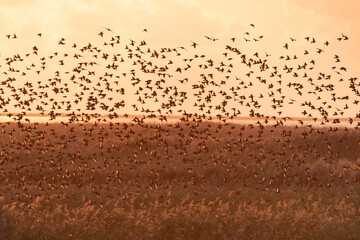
(178, 181)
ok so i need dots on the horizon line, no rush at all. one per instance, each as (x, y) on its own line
(173, 116)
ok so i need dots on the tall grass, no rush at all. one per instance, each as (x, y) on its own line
(186, 181)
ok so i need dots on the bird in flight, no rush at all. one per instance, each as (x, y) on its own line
(211, 38)
(194, 44)
(345, 37)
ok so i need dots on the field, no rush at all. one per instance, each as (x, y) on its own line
(187, 180)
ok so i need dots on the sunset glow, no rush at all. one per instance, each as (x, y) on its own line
(179, 119)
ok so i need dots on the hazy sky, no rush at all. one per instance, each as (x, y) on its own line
(177, 22)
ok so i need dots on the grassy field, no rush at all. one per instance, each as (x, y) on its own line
(178, 181)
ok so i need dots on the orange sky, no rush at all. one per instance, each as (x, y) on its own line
(176, 23)
(179, 20)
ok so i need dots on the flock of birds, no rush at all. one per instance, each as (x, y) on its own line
(94, 84)
(165, 81)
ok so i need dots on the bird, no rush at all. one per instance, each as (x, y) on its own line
(344, 37)
(194, 44)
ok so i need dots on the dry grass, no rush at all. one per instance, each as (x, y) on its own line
(191, 181)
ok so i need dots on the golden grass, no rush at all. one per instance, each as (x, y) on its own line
(186, 181)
